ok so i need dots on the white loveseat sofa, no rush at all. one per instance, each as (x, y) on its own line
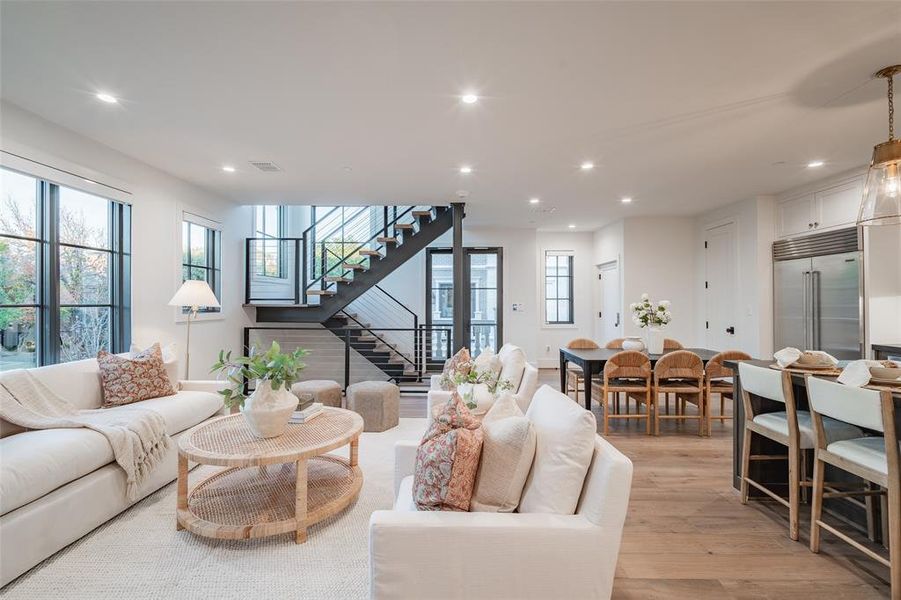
(480, 555)
(514, 368)
(56, 485)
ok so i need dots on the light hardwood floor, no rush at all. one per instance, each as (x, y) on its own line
(688, 536)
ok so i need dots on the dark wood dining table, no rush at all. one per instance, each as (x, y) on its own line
(592, 363)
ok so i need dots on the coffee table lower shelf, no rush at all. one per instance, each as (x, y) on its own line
(239, 503)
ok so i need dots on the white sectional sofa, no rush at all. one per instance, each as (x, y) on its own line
(515, 368)
(56, 485)
(481, 555)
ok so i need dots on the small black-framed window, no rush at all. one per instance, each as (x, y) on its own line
(558, 288)
(65, 272)
(269, 225)
(201, 258)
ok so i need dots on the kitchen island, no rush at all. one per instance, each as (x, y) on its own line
(775, 472)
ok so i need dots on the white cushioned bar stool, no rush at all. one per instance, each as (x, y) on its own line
(872, 458)
(792, 428)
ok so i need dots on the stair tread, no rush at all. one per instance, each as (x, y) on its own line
(403, 226)
(355, 266)
(371, 253)
(321, 292)
(422, 213)
(386, 240)
(332, 279)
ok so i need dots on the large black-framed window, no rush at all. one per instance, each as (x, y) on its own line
(269, 224)
(483, 318)
(65, 272)
(558, 288)
(202, 258)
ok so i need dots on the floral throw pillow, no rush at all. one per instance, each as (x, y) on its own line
(456, 369)
(448, 459)
(127, 380)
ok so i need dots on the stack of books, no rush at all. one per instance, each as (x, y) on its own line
(307, 413)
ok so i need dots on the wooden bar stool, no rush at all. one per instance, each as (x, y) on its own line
(791, 428)
(680, 373)
(874, 458)
(718, 380)
(630, 373)
(575, 380)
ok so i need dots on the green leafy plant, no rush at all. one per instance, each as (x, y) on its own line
(277, 368)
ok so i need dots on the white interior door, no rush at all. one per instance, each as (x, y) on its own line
(610, 318)
(721, 269)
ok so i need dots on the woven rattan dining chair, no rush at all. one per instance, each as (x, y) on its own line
(627, 372)
(575, 381)
(671, 344)
(681, 373)
(615, 344)
(718, 380)
(876, 459)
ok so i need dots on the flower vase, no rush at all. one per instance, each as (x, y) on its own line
(465, 390)
(654, 340)
(267, 411)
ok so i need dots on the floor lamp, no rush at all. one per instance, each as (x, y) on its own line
(193, 294)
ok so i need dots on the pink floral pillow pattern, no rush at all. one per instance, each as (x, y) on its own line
(448, 459)
(127, 380)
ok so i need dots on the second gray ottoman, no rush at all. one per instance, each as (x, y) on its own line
(323, 390)
(378, 402)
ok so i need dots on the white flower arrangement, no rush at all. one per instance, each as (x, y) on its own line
(651, 314)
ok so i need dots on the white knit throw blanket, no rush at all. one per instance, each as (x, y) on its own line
(137, 435)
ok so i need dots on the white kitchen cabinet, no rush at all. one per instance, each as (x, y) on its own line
(832, 207)
(795, 216)
(838, 205)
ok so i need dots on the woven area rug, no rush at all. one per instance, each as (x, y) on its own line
(139, 554)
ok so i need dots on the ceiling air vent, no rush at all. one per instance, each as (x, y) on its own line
(266, 166)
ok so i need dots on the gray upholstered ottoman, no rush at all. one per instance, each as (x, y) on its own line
(323, 390)
(378, 402)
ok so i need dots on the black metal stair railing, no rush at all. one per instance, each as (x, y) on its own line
(333, 354)
(300, 270)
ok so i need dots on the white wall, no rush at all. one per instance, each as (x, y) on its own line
(882, 282)
(158, 200)
(523, 263)
(658, 258)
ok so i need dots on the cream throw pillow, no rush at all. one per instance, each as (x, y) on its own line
(508, 447)
(488, 364)
(514, 361)
(565, 445)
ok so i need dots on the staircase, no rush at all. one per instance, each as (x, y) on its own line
(329, 276)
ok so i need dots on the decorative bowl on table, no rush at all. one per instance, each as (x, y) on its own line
(633, 343)
(809, 360)
(885, 375)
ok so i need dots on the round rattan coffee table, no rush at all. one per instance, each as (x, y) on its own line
(268, 486)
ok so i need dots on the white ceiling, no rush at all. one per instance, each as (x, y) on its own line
(683, 106)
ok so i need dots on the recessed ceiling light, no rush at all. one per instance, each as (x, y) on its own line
(228, 169)
(587, 166)
(469, 98)
(626, 200)
(89, 181)
(534, 200)
(465, 169)
(814, 164)
(104, 97)
(571, 226)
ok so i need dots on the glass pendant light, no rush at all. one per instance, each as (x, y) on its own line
(881, 203)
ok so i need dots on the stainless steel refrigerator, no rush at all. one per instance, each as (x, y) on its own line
(817, 293)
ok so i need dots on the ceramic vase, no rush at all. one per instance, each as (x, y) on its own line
(654, 340)
(267, 411)
(633, 343)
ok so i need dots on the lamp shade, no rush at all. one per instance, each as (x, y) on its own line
(194, 293)
(882, 196)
